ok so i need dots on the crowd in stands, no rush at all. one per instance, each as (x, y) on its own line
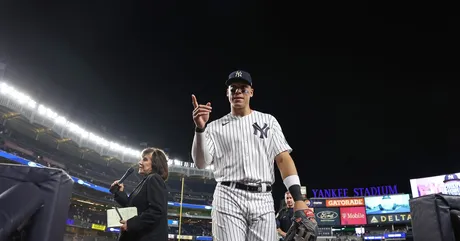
(81, 191)
(86, 215)
(198, 229)
(200, 193)
(101, 174)
(352, 236)
(196, 192)
(88, 237)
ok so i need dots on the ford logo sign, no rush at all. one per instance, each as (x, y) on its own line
(327, 215)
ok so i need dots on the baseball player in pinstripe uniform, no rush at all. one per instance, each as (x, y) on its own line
(242, 147)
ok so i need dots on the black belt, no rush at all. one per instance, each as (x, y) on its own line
(248, 188)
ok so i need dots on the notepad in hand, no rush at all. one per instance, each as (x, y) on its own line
(113, 219)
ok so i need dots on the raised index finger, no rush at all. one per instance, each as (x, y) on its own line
(194, 101)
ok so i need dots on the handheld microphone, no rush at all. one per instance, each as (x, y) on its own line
(126, 175)
(122, 179)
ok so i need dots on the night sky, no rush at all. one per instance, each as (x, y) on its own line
(366, 94)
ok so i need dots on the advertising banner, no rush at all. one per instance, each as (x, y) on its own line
(113, 230)
(98, 227)
(374, 237)
(173, 223)
(445, 184)
(327, 216)
(345, 202)
(79, 223)
(394, 218)
(395, 235)
(308, 202)
(353, 216)
(355, 192)
(317, 203)
(387, 204)
(303, 190)
(324, 231)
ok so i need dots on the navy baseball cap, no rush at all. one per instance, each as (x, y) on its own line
(239, 76)
(450, 177)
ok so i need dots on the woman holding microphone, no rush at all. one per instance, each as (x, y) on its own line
(150, 197)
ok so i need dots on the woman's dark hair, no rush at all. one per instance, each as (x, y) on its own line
(159, 161)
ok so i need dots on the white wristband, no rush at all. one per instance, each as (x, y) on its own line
(291, 180)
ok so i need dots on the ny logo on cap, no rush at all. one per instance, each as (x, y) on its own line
(238, 74)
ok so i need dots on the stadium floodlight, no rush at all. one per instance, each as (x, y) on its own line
(170, 162)
(27, 102)
(42, 110)
(21, 98)
(177, 162)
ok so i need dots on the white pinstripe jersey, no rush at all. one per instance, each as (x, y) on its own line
(243, 149)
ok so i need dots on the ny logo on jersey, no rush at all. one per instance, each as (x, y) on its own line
(238, 74)
(263, 131)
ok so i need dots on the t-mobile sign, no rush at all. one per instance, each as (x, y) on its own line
(353, 216)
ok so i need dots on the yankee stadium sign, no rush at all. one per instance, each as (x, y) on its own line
(355, 192)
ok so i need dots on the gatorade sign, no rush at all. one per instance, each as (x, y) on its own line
(345, 202)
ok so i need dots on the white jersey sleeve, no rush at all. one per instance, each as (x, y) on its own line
(210, 145)
(203, 149)
(278, 142)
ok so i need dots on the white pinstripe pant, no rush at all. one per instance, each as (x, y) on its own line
(239, 215)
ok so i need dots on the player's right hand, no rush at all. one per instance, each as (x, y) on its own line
(122, 186)
(200, 113)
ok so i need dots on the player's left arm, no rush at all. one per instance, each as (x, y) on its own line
(291, 179)
(286, 165)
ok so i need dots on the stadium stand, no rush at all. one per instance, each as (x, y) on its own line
(29, 138)
(88, 206)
